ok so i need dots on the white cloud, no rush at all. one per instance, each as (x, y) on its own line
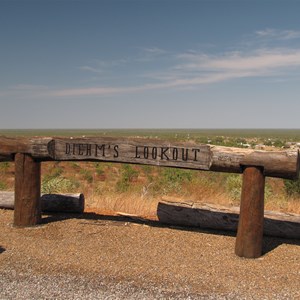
(102, 67)
(149, 54)
(278, 34)
(155, 51)
(260, 60)
(200, 69)
(90, 69)
(29, 87)
(187, 70)
(92, 91)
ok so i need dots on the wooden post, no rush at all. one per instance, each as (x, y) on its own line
(27, 191)
(250, 228)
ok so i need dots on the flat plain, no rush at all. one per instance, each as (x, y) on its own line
(98, 255)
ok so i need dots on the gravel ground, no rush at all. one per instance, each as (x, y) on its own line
(95, 257)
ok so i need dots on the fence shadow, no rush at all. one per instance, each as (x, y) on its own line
(276, 232)
(269, 242)
(57, 217)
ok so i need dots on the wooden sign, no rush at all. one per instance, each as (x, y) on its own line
(150, 152)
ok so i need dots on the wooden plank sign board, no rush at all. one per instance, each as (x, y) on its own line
(135, 151)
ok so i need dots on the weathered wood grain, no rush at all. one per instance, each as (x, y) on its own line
(69, 203)
(282, 164)
(36, 147)
(217, 217)
(250, 229)
(137, 151)
(27, 191)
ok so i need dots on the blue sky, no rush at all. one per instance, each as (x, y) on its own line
(149, 64)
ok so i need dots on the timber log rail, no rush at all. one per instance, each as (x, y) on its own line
(253, 164)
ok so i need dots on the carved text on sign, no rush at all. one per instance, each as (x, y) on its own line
(183, 155)
(167, 153)
(141, 152)
(91, 149)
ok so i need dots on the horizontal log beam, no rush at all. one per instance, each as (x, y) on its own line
(188, 155)
(281, 164)
(219, 217)
(36, 147)
(69, 203)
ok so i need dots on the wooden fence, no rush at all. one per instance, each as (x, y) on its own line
(253, 164)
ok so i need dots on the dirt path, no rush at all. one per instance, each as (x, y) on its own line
(94, 257)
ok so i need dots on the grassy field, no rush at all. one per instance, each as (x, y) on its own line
(226, 137)
(111, 187)
(262, 134)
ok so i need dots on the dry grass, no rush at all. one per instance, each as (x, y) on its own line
(111, 188)
(293, 205)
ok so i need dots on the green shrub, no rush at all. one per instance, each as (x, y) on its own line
(148, 171)
(3, 186)
(75, 166)
(292, 187)
(58, 185)
(268, 142)
(128, 173)
(171, 180)
(279, 143)
(99, 169)
(87, 175)
(4, 166)
(219, 140)
(56, 171)
(234, 186)
(176, 175)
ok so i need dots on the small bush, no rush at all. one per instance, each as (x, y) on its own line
(171, 180)
(58, 185)
(75, 166)
(234, 186)
(56, 171)
(176, 175)
(3, 186)
(87, 175)
(99, 169)
(4, 166)
(128, 173)
(279, 143)
(148, 171)
(292, 187)
(219, 140)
